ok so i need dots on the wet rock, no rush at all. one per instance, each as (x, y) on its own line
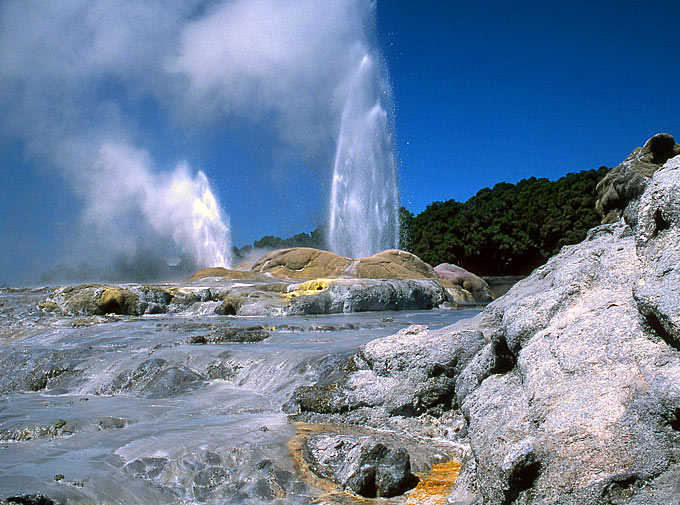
(223, 370)
(228, 476)
(32, 499)
(100, 299)
(359, 295)
(408, 374)
(366, 467)
(54, 371)
(155, 378)
(60, 429)
(231, 335)
(147, 467)
(109, 423)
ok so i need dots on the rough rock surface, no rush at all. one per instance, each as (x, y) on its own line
(394, 264)
(302, 263)
(254, 298)
(569, 384)
(368, 468)
(629, 179)
(477, 286)
(221, 273)
(309, 263)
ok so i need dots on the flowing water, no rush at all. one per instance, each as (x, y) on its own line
(364, 200)
(127, 410)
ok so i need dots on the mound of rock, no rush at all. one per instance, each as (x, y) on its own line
(100, 299)
(302, 263)
(366, 467)
(477, 286)
(569, 384)
(394, 264)
(629, 179)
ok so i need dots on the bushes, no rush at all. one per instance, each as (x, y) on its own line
(509, 229)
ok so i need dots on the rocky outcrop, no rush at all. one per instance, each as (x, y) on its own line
(477, 286)
(254, 298)
(360, 464)
(309, 263)
(569, 384)
(629, 179)
(302, 263)
(100, 299)
(394, 264)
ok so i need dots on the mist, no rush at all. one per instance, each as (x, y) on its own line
(77, 78)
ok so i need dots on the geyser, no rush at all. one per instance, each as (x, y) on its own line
(364, 199)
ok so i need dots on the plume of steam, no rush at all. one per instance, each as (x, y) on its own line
(73, 74)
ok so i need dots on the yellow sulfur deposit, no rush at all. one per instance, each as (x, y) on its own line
(435, 485)
(310, 287)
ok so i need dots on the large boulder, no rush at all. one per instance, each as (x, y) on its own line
(466, 280)
(569, 384)
(302, 263)
(394, 264)
(361, 464)
(629, 179)
(100, 299)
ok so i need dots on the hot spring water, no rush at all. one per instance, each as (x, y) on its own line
(129, 411)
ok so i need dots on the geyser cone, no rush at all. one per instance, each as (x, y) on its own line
(364, 198)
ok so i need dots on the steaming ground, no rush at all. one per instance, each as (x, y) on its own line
(117, 98)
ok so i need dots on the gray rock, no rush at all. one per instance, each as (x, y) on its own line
(629, 179)
(368, 468)
(154, 378)
(360, 295)
(570, 383)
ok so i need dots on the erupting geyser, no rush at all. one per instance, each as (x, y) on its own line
(364, 201)
(208, 240)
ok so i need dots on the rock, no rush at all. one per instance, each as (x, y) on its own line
(32, 499)
(394, 264)
(221, 273)
(335, 296)
(231, 335)
(302, 263)
(154, 378)
(100, 299)
(466, 280)
(628, 180)
(118, 301)
(366, 467)
(569, 384)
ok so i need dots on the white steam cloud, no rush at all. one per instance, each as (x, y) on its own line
(73, 74)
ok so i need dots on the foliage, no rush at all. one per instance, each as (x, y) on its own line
(316, 239)
(509, 229)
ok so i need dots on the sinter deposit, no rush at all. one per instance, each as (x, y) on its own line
(569, 385)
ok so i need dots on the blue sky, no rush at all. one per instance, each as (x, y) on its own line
(483, 91)
(500, 91)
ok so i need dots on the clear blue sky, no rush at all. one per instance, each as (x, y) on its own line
(500, 91)
(484, 92)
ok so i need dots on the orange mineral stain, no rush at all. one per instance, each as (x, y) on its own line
(435, 485)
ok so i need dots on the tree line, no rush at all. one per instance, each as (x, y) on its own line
(509, 229)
